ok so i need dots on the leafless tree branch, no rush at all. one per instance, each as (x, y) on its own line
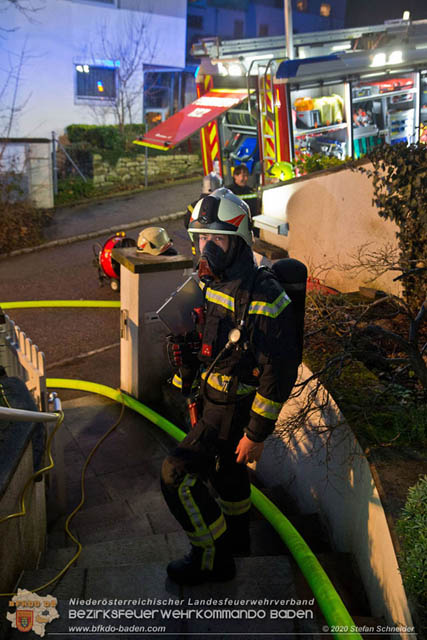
(134, 46)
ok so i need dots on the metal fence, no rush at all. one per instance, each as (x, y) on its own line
(68, 162)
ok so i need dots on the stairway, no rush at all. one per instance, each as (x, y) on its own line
(128, 537)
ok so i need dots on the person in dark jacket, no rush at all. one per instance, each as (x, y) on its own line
(240, 187)
(247, 362)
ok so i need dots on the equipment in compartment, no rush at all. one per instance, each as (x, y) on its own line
(308, 119)
(321, 144)
(361, 92)
(327, 146)
(331, 109)
(315, 112)
(242, 149)
(366, 144)
(362, 117)
(402, 98)
(383, 86)
(366, 114)
(401, 126)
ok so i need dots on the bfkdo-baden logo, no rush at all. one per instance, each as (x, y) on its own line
(32, 612)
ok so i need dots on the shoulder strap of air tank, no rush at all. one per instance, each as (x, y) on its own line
(246, 298)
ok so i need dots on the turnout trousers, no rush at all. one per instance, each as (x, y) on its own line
(204, 458)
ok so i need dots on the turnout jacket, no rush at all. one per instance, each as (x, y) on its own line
(265, 364)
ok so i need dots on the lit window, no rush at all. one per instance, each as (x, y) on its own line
(325, 10)
(263, 30)
(302, 5)
(95, 83)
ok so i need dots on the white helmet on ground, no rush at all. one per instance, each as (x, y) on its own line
(154, 241)
(221, 212)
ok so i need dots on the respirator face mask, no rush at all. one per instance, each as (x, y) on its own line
(214, 260)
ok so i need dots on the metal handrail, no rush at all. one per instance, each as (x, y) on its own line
(24, 415)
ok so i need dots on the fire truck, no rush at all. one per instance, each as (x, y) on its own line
(255, 106)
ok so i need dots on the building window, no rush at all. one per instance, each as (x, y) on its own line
(195, 22)
(263, 30)
(325, 10)
(95, 82)
(238, 29)
(302, 5)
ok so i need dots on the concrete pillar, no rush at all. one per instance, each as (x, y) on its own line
(40, 177)
(145, 283)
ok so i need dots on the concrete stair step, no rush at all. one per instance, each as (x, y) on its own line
(163, 547)
(153, 593)
(117, 519)
(278, 495)
(118, 530)
(140, 548)
(343, 573)
(311, 528)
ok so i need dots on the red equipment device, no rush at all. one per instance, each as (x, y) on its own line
(108, 268)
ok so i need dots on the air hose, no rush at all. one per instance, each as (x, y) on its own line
(31, 304)
(330, 603)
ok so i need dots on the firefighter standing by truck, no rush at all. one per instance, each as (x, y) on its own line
(240, 187)
(248, 350)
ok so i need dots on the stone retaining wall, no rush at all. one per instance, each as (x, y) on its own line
(323, 468)
(132, 169)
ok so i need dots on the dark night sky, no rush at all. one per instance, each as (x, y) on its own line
(369, 12)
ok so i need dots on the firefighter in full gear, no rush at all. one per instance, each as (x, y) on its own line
(247, 363)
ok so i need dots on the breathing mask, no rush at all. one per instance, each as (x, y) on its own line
(214, 261)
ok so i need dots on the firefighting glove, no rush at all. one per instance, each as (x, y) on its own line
(183, 350)
(182, 354)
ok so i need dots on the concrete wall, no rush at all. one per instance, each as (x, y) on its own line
(22, 540)
(329, 474)
(330, 216)
(63, 33)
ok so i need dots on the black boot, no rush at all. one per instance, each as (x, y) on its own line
(188, 570)
(238, 534)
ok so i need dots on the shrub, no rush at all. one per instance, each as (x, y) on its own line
(21, 225)
(412, 527)
(399, 179)
(105, 137)
(71, 189)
